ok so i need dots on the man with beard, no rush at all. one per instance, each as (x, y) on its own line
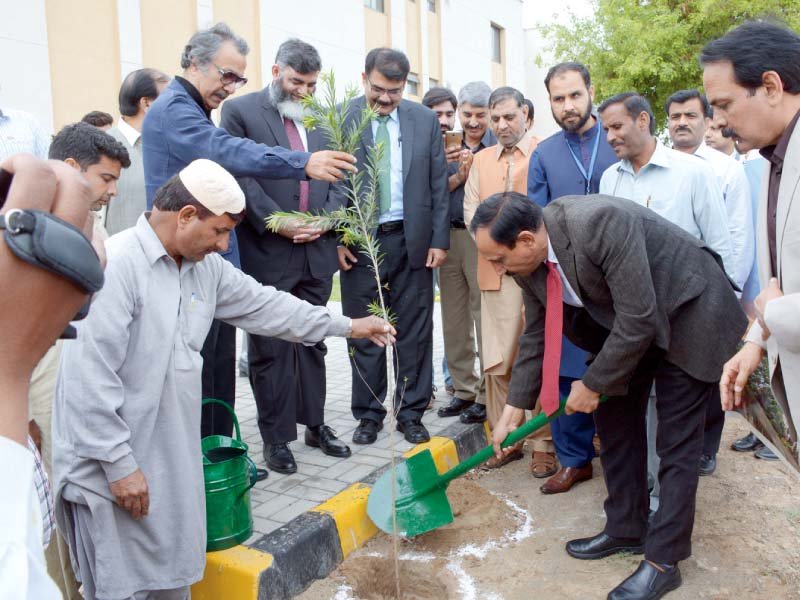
(288, 379)
(461, 300)
(178, 129)
(570, 163)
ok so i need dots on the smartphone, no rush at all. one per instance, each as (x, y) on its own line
(453, 138)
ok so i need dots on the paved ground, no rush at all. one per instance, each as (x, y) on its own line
(281, 498)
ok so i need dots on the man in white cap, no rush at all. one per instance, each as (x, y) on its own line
(126, 420)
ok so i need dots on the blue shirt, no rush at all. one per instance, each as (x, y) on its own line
(396, 173)
(21, 132)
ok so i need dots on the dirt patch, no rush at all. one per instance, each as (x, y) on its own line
(372, 578)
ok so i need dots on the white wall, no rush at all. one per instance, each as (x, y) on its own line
(25, 68)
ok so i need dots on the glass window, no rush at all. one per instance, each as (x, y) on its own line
(497, 44)
(412, 85)
(374, 5)
(432, 5)
(432, 83)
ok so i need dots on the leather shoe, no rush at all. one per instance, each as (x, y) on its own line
(603, 545)
(647, 583)
(414, 431)
(565, 478)
(474, 414)
(747, 444)
(279, 458)
(708, 464)
(455, 408)
(367, 431)
(324, 438)
(765, 454)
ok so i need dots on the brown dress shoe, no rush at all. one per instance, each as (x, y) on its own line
(565, 478)
(512, 454)
(543, 464)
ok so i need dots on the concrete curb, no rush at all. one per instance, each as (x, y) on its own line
(283, 563)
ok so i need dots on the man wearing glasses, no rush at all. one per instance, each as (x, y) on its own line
(178, 130)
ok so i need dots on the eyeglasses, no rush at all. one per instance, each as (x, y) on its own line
(229, 77)
(394, 92)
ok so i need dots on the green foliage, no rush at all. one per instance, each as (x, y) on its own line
(652, 46)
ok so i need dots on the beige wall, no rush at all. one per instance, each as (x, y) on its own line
(499, 69)
(243, 18)
(83, 46)
(413, 37)
(435, 45)
(378, 27)
(166, 27)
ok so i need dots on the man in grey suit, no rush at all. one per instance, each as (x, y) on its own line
(138, 91)
(652, 303)
(752, 78)
(288, 379)
(414, 235)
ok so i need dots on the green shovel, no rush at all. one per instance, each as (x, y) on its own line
(422, 503)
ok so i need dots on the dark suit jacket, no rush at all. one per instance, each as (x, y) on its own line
(426, 211)
(643, 281)
(264, 254)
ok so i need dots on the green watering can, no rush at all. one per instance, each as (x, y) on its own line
(421, 501)
(229, 474)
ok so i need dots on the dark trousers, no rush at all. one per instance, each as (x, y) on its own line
(681, 405)
(409, 296)
(715, 421)
(573, 435)
(288, 379)
(219, 378)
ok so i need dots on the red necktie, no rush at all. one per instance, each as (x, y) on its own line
(553, 324)
(296, 143)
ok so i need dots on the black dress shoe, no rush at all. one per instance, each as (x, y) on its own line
(647, 583)
(603, 545)
(414, 431)
(747, 444)
(708, 464)
(279, 458)
(455, 408)
(367, 431)
(324, 438)
(474, 414)
(765, 454)
(261, 474)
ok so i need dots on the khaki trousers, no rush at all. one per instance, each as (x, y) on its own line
(461, 315)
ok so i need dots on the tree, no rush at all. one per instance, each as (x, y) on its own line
(652, 46)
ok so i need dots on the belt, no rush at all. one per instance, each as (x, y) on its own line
(390, 226)
(458, 224)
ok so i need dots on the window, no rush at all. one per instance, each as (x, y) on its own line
(412, 85)
(497, 43)
(432, 83)
(374, 5)
(432, 5)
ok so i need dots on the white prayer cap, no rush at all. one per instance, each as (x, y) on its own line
(213, 187)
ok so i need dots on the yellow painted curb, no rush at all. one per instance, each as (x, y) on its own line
(443, 450)
(232, 573)
(349, 511)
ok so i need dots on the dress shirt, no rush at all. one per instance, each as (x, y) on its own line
(736, 193)
(682, 189)
(569, 295)
(20, 132)
(396, 173)
(131, 133)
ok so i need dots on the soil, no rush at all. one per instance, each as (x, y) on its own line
(507, 541)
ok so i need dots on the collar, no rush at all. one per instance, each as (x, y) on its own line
(703, 150)
(589, 135)
(487, 140)
(660, 158)
(128, 131)
(523, 145)
(551, 254)
(392, 116)
(194, 93)
(151, 244)
(775, 154)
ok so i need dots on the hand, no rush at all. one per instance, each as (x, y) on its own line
(36, 434)
(452, 153)
(378, 331)
(327, 165)
(511, 418)
(436, 257)
(299, 233)
(465, 164)
(735, 374)
(772, 291)
(132, 494)
(581, 399)
(346, 258)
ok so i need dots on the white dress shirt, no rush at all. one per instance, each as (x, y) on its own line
(396, 174)
(736, 193)
(131, 133)
(682, 189)
(567, 293)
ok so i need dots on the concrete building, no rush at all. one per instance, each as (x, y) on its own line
(64, 58)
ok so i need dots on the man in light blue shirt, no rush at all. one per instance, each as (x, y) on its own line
(679, 187)
(21, 132)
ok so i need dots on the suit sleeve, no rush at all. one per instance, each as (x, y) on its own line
(526, 376)
(259, 204)
(616, 242)
(538, 190)
(440, 195)
(782, 316)
(189, 137)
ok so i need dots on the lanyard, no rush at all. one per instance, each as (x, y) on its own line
(586, 176)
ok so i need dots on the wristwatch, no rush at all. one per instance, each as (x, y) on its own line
(349, 333)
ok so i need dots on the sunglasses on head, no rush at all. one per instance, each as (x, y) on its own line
(229, 77)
